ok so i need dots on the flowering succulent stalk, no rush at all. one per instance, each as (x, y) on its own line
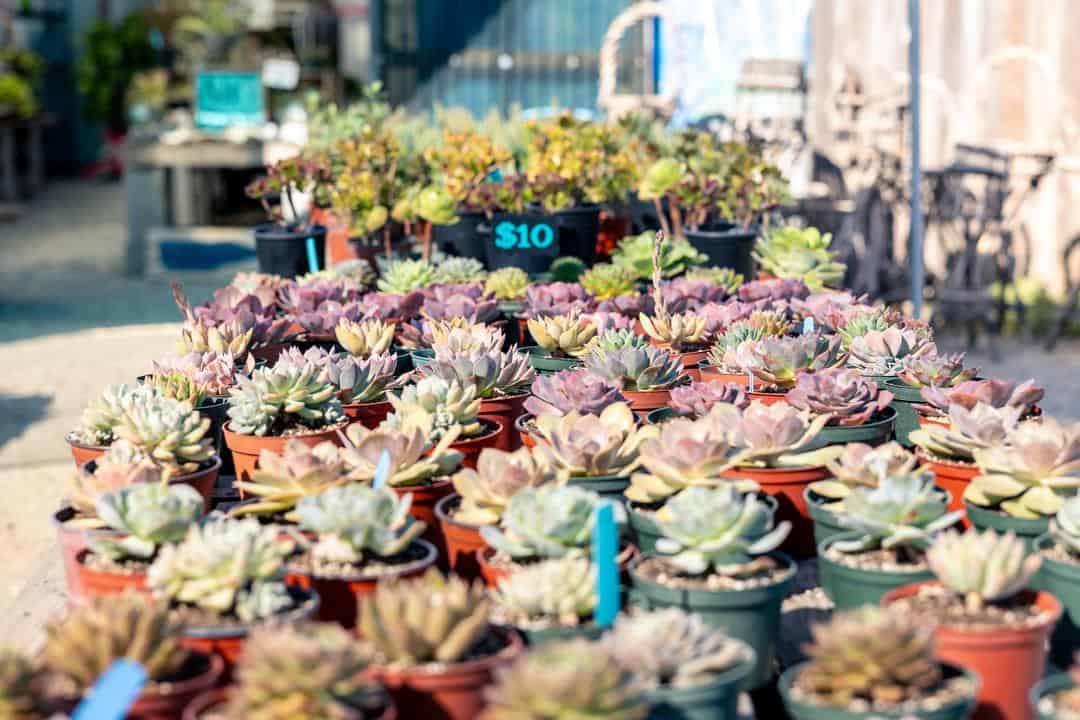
(545, 522)
(148, 515)
(982, 567)
(404, 276)
(580, 390)
(559, 591)
(847, 397)
(995, 393)
(509, 283)
(968, 430)
(286, 396)
(592, 446)
(280, 481)
(680, 332)
(933, 370)
(776, 362)
(862, 465)
(354, 522)
(639, 368)
(498, 476)
(366, 337)
(413, 460)
(1065, 526)
(562, 335)
(605, 281)
(696, 399)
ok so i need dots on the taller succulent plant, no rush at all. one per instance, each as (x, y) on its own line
(492, 374)
(1065, 526)
(592, 446)
(579, 390)
(680, 332)
(968, 430)
(847, 397)
(507, 284)
(404, 276)
(791, 252)
(933, 370)
(606, 282)
(366, 337)
(544, 522)
(862, 465)
(562, 335)
(635, 253)
(776, 362)
(639, 368)
(148, 516)
(355, 522)
(460, 270)
(884, 352)
(169, 432)
(280, 481)
(982, 567)
(498, 476)
(102, 415)
(453, 302)
(696, 399)
(995, 393)
(436, 406)
(413, 461)
(278, 399)
(1030, 471)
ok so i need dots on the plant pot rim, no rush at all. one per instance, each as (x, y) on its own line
(306, 609)
(369, 404)
(476, 439)
(732, 676)
(884, 416)
(1045, 542)
(944, 462)
(273, 231)
(214, 466)
(414, 566)
(1043, 599)
(851, 535)
(1048, 685)
(780, 471)
(1032, 525)
(442, 512)
(448, 672)
(821, 502)
(83, 446)
(328, 429)
(791, 566)
(437, 483)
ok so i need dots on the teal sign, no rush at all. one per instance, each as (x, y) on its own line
(511, 235)
(228, 99)
(529, 241)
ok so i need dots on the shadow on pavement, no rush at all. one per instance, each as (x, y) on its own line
(19, 412)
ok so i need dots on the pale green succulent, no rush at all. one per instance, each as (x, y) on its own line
(460, 270)
(169, 432)
(1030, 471)
(403, 276)
(413, 460)
(862, 320)
(1065, 526)
(231, 337)
(660, 177)
(563, 335)
(492, 374)
(355, 521)
(437, 406)
(717, 529)
(719, 276)
(979, 427)
(281, 480)
(902, 513)
(801, 254)
(982, 567)
(148, 515)
(357, 379)
(862, 465)
(606, 281)
(437, 206)
(274, 400)
(498, 476)
(616, 339)
(593, 446)
(639, 368)
(228, 567)
(635, 253)
(545, 522)
(457, 336)
(103, 414)
(509, 283)
(559, 590)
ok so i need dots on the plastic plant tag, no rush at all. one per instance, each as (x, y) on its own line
(750, 381)
(382, 471)
(312, 256)
(807, 325)
(605, 548)
(113, 693)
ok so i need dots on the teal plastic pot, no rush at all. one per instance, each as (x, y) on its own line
(877, 432)
(1026, 529)
(609, 486)
(880, 380)
(752, 616)
(799, 710)
(1062, 580)
(661, 415)
(905, 398)
(826, 522)
(404, 362)
(421, 357)
(1050, 686)
(589, 631)
(541, 359)
(850, 587)
(715, 700)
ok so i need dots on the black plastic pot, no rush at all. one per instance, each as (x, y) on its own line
(284, 252)
(462, 238)
(726, 246)
(578, 228)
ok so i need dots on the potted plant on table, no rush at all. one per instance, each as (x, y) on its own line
(549, 600)
(580, 390)
(920, 372)
(98, 424)
(677, 257)
(986, 621)
(873, 663)
(507, 286)
(858, 411)
(880, 353)
(995, 393)
(713, 559)
(1060, 576)
(281, 245)
(606, 281)
(696, 399)
(799, 253)
(560, 340)
(729, 355)
(361, 383)
(647, 373)
(775, 363)
(437, 648)
(281, 480)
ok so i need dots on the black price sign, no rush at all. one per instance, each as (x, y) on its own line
(528, 241)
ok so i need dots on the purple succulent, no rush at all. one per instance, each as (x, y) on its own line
(719, 318)
(845, 395)
(323, 320)
(445, 304)
(581, 391)
(391, 306)
(296, 298)
(629, 305)
(605, 321)
(933, 370)
(830, 309)
(440, 292)
(995, 393)
(696, 399)
(261, 285)
(773, 289)
(557, 298)
(683, 294)
(244, 312)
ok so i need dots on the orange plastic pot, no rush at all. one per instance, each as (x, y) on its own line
(73, 542)
(1009, 662)
(941, 421)
(203, 481)
(211, 704)
(463, 542)
(711, 372)
(788, 487)
(471, 447)
(953, 477)
(424, 500)
(246, 448)
(643, 402)
(102, 584)
(768, 398)
(367, 414)
(522, 427)
(83, 454)
(507, 409)
(690, 361)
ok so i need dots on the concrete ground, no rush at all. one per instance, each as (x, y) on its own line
(70, 324)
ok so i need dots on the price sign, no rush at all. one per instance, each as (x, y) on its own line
(228, 99)
(528, 241)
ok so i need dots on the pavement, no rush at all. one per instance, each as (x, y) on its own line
(70, 323)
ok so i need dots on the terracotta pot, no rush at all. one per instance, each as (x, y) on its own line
(339, 596)
(788, 486)
(74, 541)
(951, 476)
(452, 691)
(166, 701)
(494, 574)
(690, 361)
(507, 409)
(521, 425)
(99, 584)
(711, 372)
(203, 481)
(246, 448)
(769, 398)
(212, 700)
(84, 453)
(268, 354)
(642, 402)
(462, 541)
(1008, 661)
(941, 421)
(471, 447)
(424, 500)
(368, 414)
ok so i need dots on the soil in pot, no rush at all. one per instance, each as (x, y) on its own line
(100, 576)
(246, 448)
(490, 436)
(1060, 576)
(424, 499)
(280, 251)
(855, 579)
(1027, 529)
(747, 608)
(1005, 644)
(543, 361)
(788, 486)
(462, 541)
(340, 585)
(368, 414)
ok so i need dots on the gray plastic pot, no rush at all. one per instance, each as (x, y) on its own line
(714, 700)
(878, 432)
(609, 486)
(1026, 529)
(850, 587)
(1062, 580)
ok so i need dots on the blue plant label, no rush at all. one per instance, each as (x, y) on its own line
(382, 471)
(807, 325)
(495, 176)
(312, 255)
(605, 549)
(113, 693)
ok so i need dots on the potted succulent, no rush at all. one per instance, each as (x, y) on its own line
(684, 334)
(507, 286)
(241, 320)
(281, 245)
(560, 340)
(281, 480)
(226, 577)
(362, 536)
(892, 525)
(729, 354)
(1024, 477)
(277, 404)
(82, 647)
(696, 399)
(1056, 697)
(98, 424)
(302, 670)
(579, 390)
(881, 353)
(714, 559)
(368, 337)
(677, 257)
(996, 393)
(647, 373)
(775, 363)
(858, 411)
(692, 671)
(605, 281)
(481, 497)
(986, 621)
(554, 298)
(799, 253)
(915, 373)
(1059, 576)
(437, 648)
(361, 382)
(873, 663)
(549, 600)
(454, 335)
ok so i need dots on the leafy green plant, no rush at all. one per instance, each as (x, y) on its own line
(354, 522)
(802, 254)
(109, 58)
(148, 515)
(17, 97)
(545, 522)
(285, 180)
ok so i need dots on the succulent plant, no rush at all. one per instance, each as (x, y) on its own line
(606, 281)
(1065, 525)
(492, 374)
(355, 521)
(791, 252)
(982, 567)
(419, 334)
(933, 370)
(396, 307)
(323, 319)
(776, 289)
(356, 272)
(731, 349)
(232, 322)
(562, 335)
(871, 655)
(357, 379)
(684, 295)
(968, 430)
(308, 670)
(277, 399)
(635, 254)
(559, 590)
(1030, 471)
(724, 277)
(717, 529)
(773, 435)
(437, 406)
(460, 270)
(227, 567)
(171, 433)
(884, 352)
(448, 338)
(605, 321)
(673, 648)
(121, 466)
(680, 332)
(862, 465)
(639, 368)
(545, 522)
(498, 476)
(413, 461)
(21, 694)
(280, 481)
(776, 362)
(404, 276)
(568, 679)
(101, 417)
(556, 298)
(177, 386)
(995, 393)
(428, 619)
(303, 298)
(450, 302)
(366, 337)
(630, 305)
(859, 320)
(566, 269)
(508, 283)
(617, 339)
(148, 515)
(579, 390)
(902, 513)
(233, 338)
(847, 397)
(696, 399)
(81, 647)
(832, 310)
(209, 373)
(592, 446)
